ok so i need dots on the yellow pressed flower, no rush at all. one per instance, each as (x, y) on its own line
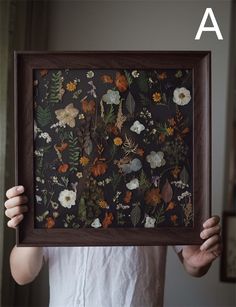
(84, 160)
(117, 141)
(102, 203)
(156, 97)
(170, 130)
(71, 86)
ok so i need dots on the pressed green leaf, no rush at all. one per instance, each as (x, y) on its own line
(184, 176)
(130, 103)
(135, 214)
(43, 116)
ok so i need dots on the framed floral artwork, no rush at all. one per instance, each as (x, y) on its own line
(228, 258)
(113, 148)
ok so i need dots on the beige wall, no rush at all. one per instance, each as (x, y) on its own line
(160, 25)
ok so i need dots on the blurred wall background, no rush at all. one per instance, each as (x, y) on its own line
(158, 25)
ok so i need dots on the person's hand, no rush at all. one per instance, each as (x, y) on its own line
(15, 205)
(200, 257)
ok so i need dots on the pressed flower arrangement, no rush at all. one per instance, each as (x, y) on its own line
(115, 147)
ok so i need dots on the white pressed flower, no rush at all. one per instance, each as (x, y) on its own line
(48, 139)
(181, 96)
(149, 222)
(133, 166)
(96, 223)
(156, 159)
(54, 179)
(67, 198)
(90, 74)
(108, 180)
(55, 214)
(135, 73)
(61, 124)
(38, 198)
(54, 205)
(38, 153)
(133, 184)
(67, 115)
(79, 174)
(184, 194)
(137, 127)
(111, 97)
(81, 116)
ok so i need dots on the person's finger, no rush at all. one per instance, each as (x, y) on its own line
(211, 222)
(15, 211)
(16, 201)
(210, 242)
(15, 221)
(17, 190)
(216, 249)
(209, 232)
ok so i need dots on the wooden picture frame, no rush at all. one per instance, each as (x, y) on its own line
(164, 185)
(228, 257)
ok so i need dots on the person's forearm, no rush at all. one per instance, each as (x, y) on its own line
(25, 263)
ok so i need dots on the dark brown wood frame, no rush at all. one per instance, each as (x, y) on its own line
(223, 262)
(199, 61)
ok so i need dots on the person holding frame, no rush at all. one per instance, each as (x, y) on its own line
(106, 276)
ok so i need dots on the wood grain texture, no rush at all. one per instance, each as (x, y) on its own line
(225, 238)
(199, 61)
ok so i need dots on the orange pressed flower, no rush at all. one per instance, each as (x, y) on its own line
(170, 206)
(62, 147)
(153, 197)
(185, 131)
(156, 97)
(121, 82)
(84, 161)
(162, 137)
(107, 220)
(112, 129)
(174, 218)
(99, 168)
(106, 79)
(127, 197)
(102, 203)
(63, 168)
(140, 152)
(43, 72)
(50, 222)
(118, 141)
(88, 106)
(71, 86)
(162, 76)
(172, 121)
(175, 172)
(170, 131)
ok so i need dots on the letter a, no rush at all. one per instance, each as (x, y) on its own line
(215, 27)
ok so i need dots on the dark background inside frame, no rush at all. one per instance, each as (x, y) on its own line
(71, 75)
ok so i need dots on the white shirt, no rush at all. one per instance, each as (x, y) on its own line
(125, 276)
